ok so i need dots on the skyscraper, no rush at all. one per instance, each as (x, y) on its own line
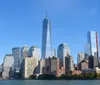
(69, 63)
(46, 39)
(7, 65)
(62, 52)
(24, 52)
(92, 38)
(34, 51)
(17, 58)
(80, 57)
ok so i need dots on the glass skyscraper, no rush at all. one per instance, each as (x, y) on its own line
(17, 58)
(93, 47)
(46, 39)
(62, 52)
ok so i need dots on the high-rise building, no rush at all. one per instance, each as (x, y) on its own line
(52, 67)
(80, 57)
(7, 66)
(46, 39)
(93, 62)
(83, 65)
(93, 42)
(69, 63)
(25, 51)
(34, 51)
(17, 58)
(30, 65)
(54, 52)
(1, 68)
(63, 50)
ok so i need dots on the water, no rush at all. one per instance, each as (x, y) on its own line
(47, 82)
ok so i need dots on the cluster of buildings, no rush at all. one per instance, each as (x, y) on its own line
(26, 61)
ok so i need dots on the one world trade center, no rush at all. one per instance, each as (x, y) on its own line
(46, 39)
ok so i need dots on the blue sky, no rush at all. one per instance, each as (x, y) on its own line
(21, 23)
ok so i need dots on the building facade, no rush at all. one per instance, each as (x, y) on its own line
(62, 52)
(80, 57)
(52, 67)
(83, 65)
(24, 52)
(7, 66)
(35, 52)
(93, 42)
(30, 66)
(93, 62)
(17, 58)
(69, 63)
(41, 66)
(54, 52)
(46, 39)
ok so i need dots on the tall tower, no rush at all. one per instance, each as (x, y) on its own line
(93, 43)
(17, 58)
(62, 52)
(46, 39)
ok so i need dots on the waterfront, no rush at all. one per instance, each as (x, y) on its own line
(51, 82)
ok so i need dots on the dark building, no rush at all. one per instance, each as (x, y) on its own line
(93, 62)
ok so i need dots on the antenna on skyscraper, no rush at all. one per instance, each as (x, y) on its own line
(46, 13)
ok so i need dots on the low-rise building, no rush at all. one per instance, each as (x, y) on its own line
(75, 72)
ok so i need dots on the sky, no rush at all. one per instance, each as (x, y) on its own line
(21, 23)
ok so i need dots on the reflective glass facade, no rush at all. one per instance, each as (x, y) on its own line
(92, 38)
(46, 39)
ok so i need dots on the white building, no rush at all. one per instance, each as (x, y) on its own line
(80, 57)
(54, 52)
(35, 52)
(7, 65)
(62, 52)
(30, 66)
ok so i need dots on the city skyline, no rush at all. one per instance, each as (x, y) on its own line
(20, 24)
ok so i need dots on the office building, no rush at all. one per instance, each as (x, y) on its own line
(30, 65)
(46, 39)
(93, 42)
(17, 58)
(83, 65)
(63, 50)
(93, 62)
(7, 66)
(24, 51)
(80, 57)
(52, 67)
(1, 68)
(54, 52)
(69, 63)
(34, 51)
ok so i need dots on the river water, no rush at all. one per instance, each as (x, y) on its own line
(49, 82)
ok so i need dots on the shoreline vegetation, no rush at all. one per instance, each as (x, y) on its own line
(87, 76)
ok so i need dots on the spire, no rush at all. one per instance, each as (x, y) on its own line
(46, 13)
